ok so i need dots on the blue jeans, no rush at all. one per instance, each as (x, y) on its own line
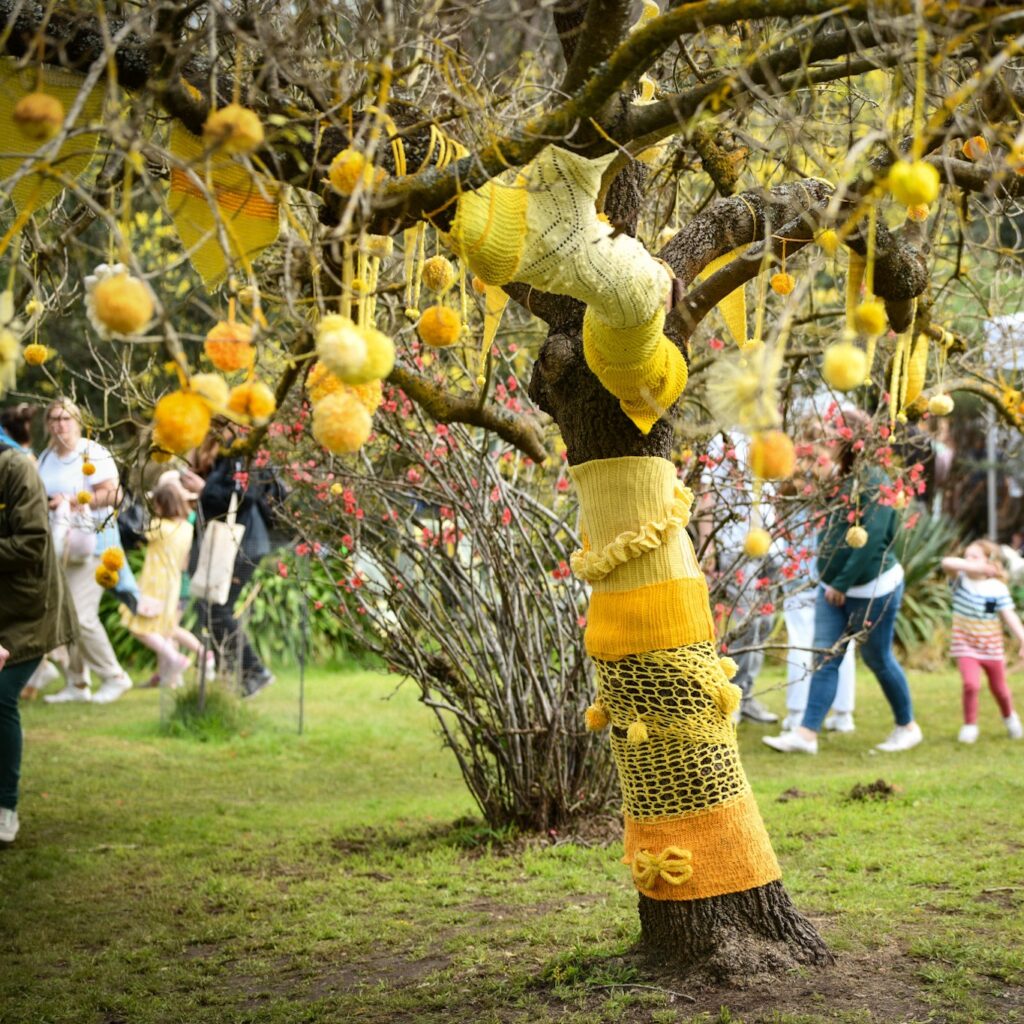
(12, 679)
(872, 620)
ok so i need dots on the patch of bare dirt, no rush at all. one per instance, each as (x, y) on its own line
(874, 791)
(792, 794)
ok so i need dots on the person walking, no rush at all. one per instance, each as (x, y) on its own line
(859, 595)
(80, 476)
(36, 613)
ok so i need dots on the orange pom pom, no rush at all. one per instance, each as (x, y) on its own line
(113, 559)
(782, 283)
(180, 421)
(229, 346)
(105, 577)
(772, 455)
(35, 354)
(439, 326)
(596, 718)
(234, 128)
(38, 116)
(253, 400)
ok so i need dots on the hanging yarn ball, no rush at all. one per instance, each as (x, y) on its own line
(439, 326)
(940, 405)
(84, 497)
(234, 128)
(596, 718)
(918, 212)
(341, 423)
(252, 399)
(88, 468)
(380, 357)
(113, 559)
(320, 382)
(782, 283)
(772, 455)
(727, 698)
(33, 307)
(340, 345)
(38, 115)
(438, 274)
(728, 666)
(105, 577)
(636, 733)
(479, 286)
(913, 183)
(228, 345)
(181, 420)
(869, 318)
(370, 395)
(36, 354)
(350, 169)
(377, 245)
(211, 388)
(845, 366)
(975, 147)
(118, 303)
(829, 241)
(856, 536)
(757, 543)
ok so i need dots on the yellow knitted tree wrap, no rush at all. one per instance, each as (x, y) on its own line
(489, 229)
(692, 826)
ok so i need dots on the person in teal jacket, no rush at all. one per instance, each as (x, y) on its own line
(859, 597)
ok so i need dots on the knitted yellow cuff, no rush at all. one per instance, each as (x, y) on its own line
(721, 850)
(489, 229)
(638, 365)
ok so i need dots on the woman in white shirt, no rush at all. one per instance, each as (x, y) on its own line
(65, 467)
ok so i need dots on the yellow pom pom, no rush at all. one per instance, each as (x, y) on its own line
(105, 577)
(479, 286)
(113, 559)
(341, 423)
(211, 388)
(845, 366)
(370, 395)
(337, 489)
(33, 307)
(228, 346)
(856, 536)
(439, 326)
(234, 128)
(913, 183)
(637, 732)
(829, 241)
(36, 354)
(122, 304)
(340, 346)
(772, 455)
(596, 718)
(940, 405)
(84, 497)
(918, 212)
(350, 169)
(728, 697)
(728, 666)
(180, 421)
(869, 318)
(782, 283)
(88, 469)
(321, 382)
(438, 274)
(378, 245)
(380, 357)
(757, 543)
(38, 116)
(253, 400)
(975, 147)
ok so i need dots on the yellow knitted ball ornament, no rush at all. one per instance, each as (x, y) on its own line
(637, 732)
(211, 388)
(772, 455)
(113, 559)
(321, 382)
(180, 421)
(380, 357)
(438, 274)
(844, 366)
(918, 213)
(782, 283)
(727, 698)
(975, 147)
(340, 345)
(757, 543)
(252, 399)
(38, 116)
(36, 354)
(349, 169)
(122, 304)
(234, 128)
(596, 718)
(439, 326)
(728, 666)
(228, 346)
(940, 405)
(88, 469)
(829, 241)
(341, 423)
(84, 497)
(913, 183)
(105, 577)
(370, 395)
(856, 536)
(869, 318)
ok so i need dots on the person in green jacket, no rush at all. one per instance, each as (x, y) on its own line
(859, 595)
(36, 613)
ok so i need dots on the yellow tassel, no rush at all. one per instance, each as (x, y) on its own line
(916, 369)
(728, 666)
(495, 301)
(895, 380)
(734, 306)
(636, 733)
(854, 279)
(596, 718)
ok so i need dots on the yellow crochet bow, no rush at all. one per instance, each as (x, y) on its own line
(673, 865)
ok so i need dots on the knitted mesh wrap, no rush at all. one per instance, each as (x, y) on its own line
(692, 826)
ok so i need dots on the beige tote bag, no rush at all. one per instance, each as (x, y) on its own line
(217, 553)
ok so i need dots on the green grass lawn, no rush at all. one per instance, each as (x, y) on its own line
(332, 876)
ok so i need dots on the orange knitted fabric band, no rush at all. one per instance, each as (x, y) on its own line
(728, 847)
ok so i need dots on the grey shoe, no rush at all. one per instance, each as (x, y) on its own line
(253, 684)
(752, 710)
(8, 825)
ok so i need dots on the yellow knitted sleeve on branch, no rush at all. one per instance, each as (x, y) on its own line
(489, 229)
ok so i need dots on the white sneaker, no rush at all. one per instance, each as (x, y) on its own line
(792, 721)
(69, 694)
(1013, 727)
(903, 737)
(111, 689)
(45, 674)
(841, 721)
(967, 734)
(791, 743)
(9, 825)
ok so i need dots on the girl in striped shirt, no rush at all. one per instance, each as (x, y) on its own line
(980, 600)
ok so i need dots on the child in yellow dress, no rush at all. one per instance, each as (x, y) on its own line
(155, 622)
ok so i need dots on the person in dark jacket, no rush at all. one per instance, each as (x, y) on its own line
(36, 612)
(257, 491)
(859, 595)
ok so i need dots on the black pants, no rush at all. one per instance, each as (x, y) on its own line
(229, 637)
